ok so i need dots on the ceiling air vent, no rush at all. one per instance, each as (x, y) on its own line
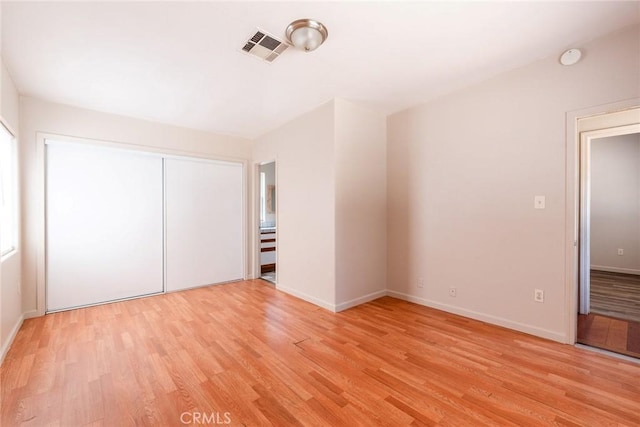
(264, 46)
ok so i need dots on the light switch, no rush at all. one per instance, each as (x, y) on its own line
(539, 202)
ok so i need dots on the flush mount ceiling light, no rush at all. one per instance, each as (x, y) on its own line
(570, 57)
(306, 34)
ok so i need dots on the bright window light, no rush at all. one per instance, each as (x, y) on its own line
(8, 193)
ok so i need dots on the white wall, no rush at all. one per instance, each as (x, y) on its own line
(361, 200)
(331, 167)
(463, 171)
(41, 116)
(305, 165)
(10, 287)
(615, 203)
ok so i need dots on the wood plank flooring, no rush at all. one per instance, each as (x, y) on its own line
(248, 354)
(615, 295)
(617, 335)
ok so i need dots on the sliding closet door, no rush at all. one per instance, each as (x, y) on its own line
(203, 222)
(104, 224)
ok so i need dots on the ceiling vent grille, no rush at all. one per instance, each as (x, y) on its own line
(264, 46)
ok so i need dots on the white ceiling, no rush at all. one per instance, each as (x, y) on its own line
(180, 63)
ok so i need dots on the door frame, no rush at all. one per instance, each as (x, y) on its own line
(255, 226)
(593, 118)
(584, 242)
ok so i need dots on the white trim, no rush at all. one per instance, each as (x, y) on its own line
(10, 253)
(31, 314)
(165, 152)
(42, 137)
(585, 205)
(306, 297)
(361, 300)
(10, 338)
(40, 224)
(8, 127)
(246, 264)
(615, 269)
(494, 320)
(17, 236)
(95, 304)
(572, 141)
(255, 220)
(164, 225)
(584, 300)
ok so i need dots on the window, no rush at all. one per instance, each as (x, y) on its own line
(8, 193)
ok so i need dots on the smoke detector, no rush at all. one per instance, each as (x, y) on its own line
(264, 46)
(570, 57)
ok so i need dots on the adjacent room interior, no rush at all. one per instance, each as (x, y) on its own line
(267, 226)
(610, 311)
(320, 213)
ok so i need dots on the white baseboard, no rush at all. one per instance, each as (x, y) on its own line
(7, 344)
(308, 298)
(31, 314)
(361, 300)
(615, 269)
(494, 320)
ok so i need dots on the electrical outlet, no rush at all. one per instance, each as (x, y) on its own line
(452, 292)
(421, 282)
(538, 295)
(620, 251)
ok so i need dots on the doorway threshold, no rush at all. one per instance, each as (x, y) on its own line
(608, 353)
(268, 279)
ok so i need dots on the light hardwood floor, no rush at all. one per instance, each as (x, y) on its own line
(615, 295)
(247, 353)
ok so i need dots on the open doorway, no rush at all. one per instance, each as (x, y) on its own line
(267, 227)
(609, 277)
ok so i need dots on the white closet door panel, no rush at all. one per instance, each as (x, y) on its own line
(203, 222)
(104, 224)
